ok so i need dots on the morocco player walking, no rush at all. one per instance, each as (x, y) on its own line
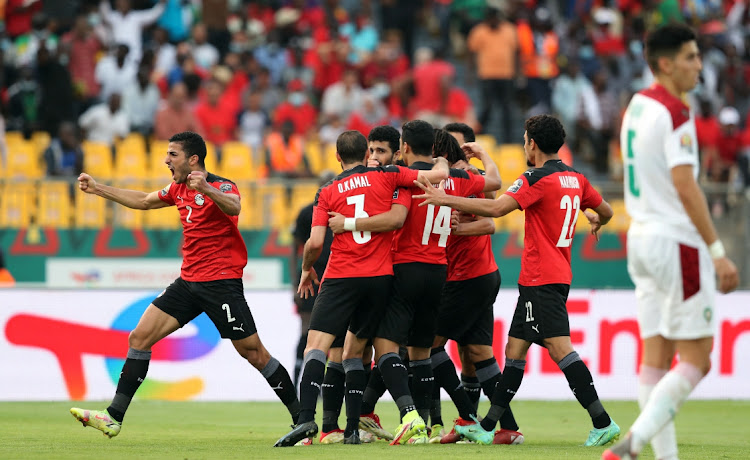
(552, 195)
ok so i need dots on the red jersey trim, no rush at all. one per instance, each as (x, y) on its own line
(678, 110)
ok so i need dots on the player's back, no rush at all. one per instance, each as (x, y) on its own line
(359, 192)
(424, 235)
(658, 133)
(552, 197)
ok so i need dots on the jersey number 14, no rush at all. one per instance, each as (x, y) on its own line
(439, 225)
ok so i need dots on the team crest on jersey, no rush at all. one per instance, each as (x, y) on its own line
(515, 186)
(199, 200)
(686, 142)
(165, 190)
(226, 188)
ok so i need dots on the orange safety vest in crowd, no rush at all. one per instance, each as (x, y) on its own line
(6, 279)
(538, 63)
(285, 158)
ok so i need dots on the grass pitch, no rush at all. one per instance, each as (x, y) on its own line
(194, 430)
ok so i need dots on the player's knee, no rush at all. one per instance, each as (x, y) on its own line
(258, 358)
(139, 340)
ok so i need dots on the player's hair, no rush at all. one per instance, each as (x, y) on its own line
(547, 132)
(385, 133)
(462, 128)
(420, 136)
(192, 144)
(447, 146)
(666, 41)
(351, 147)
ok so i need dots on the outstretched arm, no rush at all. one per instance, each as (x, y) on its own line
(130, 198)
(384, 222)
(492, 180)
(476, 206)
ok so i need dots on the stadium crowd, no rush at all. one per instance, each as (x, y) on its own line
(279, 74)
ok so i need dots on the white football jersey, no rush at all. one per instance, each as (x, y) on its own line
(658, 133)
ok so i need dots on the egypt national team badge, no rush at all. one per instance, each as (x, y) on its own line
(225, 187)
(516, 186)
(199, 200)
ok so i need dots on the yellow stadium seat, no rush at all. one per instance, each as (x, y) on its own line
(250, 217)
(54, 204)
(329, 156)
(23, 161)
(274, 206)
(90, 211)
(621, 220)
(167, 218)
(237, 163)
(41, 141)
(211, 161)
(302, 195)
(17, 204)
(125, 217)
(157, 169)
(511, 161)
(315, 157)
(97, 160)
(130, 158)
(487, 141)
(13, 136)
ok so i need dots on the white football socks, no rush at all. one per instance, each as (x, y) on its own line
(664, 442)
(664, 402)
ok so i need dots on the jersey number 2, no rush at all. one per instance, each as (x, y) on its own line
(440, 225)
(359, 212)
(571, 207)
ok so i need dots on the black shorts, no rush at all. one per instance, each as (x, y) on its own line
(466, 310)
(541, 313)
(411, 317)
(353, 303)
(222, 300)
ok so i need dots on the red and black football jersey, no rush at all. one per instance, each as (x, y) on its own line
(470, 256)
(424, 236)
(361, 192)
(213, 248)
(552, 197)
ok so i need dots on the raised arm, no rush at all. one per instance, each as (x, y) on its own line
(492, 180)
(229, 203)
(106, 11)
(439, 172)
(146, 17)
(392, 219)
(694, 201)
(130, 198)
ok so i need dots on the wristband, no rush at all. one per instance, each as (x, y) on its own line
(716, 249)
(350, 224)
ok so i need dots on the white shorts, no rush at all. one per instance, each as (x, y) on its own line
(675, 287)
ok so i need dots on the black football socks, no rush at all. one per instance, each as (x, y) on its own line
(582, 384)
(355, 387)
(333, 395)
(375, 389)
(313, 371)
(422, 383)
(472, 388)
(133, 373)
(445, 377)
(488, 373)
(396, 379)
(506, 388)
(278, 378)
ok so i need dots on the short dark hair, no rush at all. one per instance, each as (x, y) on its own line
(447, 146)
(462, 128)
(351, 146)
(192, 144)
(420, 136)
(547, 132)
(386, 133)
(666, 41)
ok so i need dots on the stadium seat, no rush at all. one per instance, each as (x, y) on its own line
(23, 161)
(157, 169)
(41, 141)
(130, 158)
(511, 162)
(329, 156)
(487, 141)
(237, 163)
(97, 160)
(272, 201)
(211, 161)
(303, 193)
(17, 204)
(314, 157)
(167, 218)
(250, 217)
(90, 211)
(54, 204)
(125, 217)
(620, 221)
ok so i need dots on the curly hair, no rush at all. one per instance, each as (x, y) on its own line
(386, 133)
(447, 146)
(547, 132)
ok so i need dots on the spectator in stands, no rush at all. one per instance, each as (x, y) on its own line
(26, 46)
(538, 47)
(362, 36)
(175, 116)
(598, 118)
(495, 45)
(217, 123)
(18, 14)
(176, 19)
(165, 52)
(64, 156)
(570, 96)
(271, 95)
(140, 101)
(297, 70)
(432, 78)
(253, 121)
(342, 98)
(272, 56)
(707, 130)
(24, 97)
(214, 14)
(127, 25)
(297, 109)
(205, 54)
(115, 73)
(285, 154)
(330, 132)
(56, 104)
(81, 47)
(105, 122)
(722, 160)
(372, 113)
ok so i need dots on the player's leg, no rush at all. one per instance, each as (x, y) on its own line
(469, 380)
(354, 347)
(304, 316)
(436, 409)
(333, 394)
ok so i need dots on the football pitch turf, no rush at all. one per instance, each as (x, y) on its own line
(195, 430)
